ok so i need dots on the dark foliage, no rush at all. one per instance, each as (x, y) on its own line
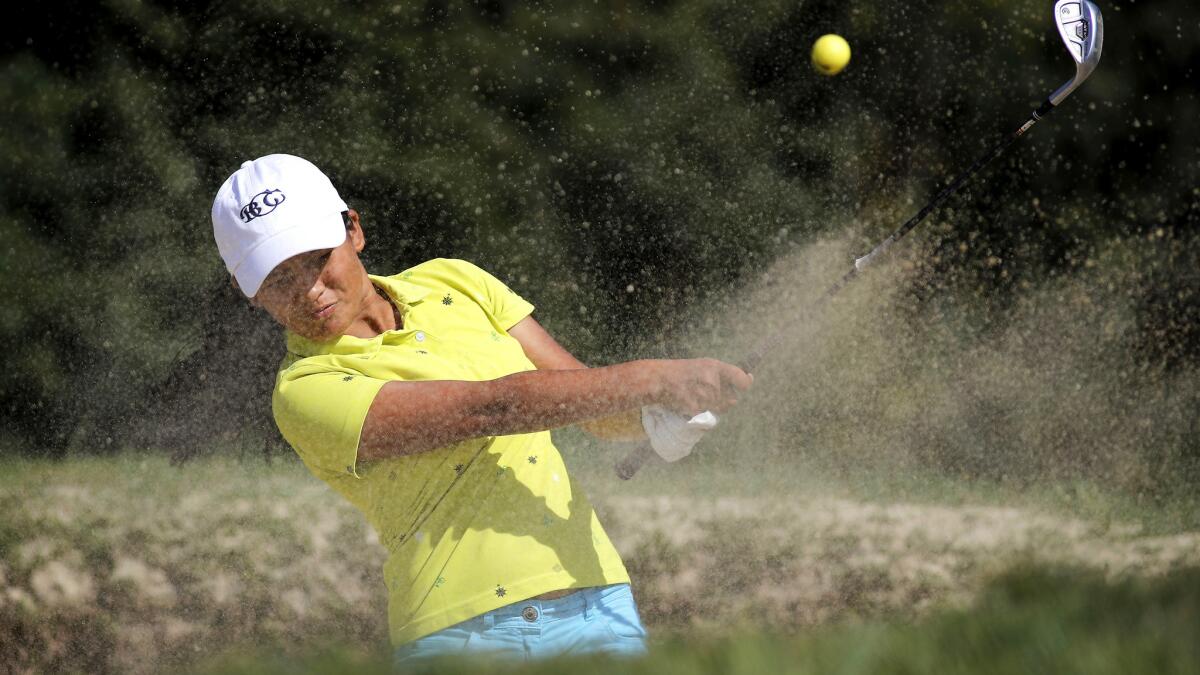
(619, 163)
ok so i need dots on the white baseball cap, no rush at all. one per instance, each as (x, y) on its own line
(271, 209)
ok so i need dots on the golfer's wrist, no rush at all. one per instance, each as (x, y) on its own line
(654, 389)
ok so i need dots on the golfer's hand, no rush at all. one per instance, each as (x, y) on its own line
(690, 387)
(672, 435)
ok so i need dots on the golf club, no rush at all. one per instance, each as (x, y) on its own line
(1082, 30)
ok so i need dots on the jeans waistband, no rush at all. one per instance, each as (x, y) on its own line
(583, 601)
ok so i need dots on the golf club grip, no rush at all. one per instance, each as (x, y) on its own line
(632, 462)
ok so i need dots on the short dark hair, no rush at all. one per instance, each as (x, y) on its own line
(346, 219)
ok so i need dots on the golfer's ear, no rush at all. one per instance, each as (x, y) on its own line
(354, 230)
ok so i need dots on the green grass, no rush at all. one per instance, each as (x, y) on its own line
(1026, 621)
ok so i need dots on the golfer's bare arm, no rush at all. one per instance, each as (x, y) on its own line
(545, 353)
(411, 417)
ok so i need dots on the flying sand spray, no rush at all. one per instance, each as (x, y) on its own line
(1082, 30)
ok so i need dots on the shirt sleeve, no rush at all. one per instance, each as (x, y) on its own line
(493, 295)
(320, 412)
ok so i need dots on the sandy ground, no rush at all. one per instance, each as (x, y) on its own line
(700, 563)
(115, 576)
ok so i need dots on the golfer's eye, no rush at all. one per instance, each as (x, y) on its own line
(280, 279)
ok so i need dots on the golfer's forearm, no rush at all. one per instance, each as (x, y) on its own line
(533, 401)
(545, 353)
(412, 417)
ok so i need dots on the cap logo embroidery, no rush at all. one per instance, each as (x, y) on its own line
(262, 204)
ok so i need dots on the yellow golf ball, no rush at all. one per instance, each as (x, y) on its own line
(830, 54)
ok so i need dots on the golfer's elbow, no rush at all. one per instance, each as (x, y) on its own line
(489, 417)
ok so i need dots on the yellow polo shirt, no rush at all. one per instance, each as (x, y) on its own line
(469, 527)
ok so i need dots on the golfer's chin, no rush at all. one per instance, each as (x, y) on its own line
(319, 330)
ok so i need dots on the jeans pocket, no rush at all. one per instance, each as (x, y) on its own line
(619, 613)
(623, 629)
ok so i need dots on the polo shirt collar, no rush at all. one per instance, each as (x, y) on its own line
(404, 293)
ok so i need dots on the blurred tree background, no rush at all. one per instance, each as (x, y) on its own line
(620, 163)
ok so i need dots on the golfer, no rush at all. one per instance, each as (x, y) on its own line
(425, 399)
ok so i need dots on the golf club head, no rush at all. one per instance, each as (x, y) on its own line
(1082, 29)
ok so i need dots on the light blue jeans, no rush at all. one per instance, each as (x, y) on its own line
(598, 620)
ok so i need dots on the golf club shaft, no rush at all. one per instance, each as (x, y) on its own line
(633, 461)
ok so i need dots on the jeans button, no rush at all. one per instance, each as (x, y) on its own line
(530, 614)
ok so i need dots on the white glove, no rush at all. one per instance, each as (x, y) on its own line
(672, 435)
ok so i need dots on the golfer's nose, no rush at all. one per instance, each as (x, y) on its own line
(316, 289)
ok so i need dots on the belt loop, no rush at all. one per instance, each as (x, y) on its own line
(586, 594)
(489, 620)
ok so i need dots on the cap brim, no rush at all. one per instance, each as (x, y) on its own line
(326, 232)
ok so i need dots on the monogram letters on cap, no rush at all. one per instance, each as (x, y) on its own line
(262, 204)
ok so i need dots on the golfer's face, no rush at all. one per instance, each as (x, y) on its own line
(315, 294)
